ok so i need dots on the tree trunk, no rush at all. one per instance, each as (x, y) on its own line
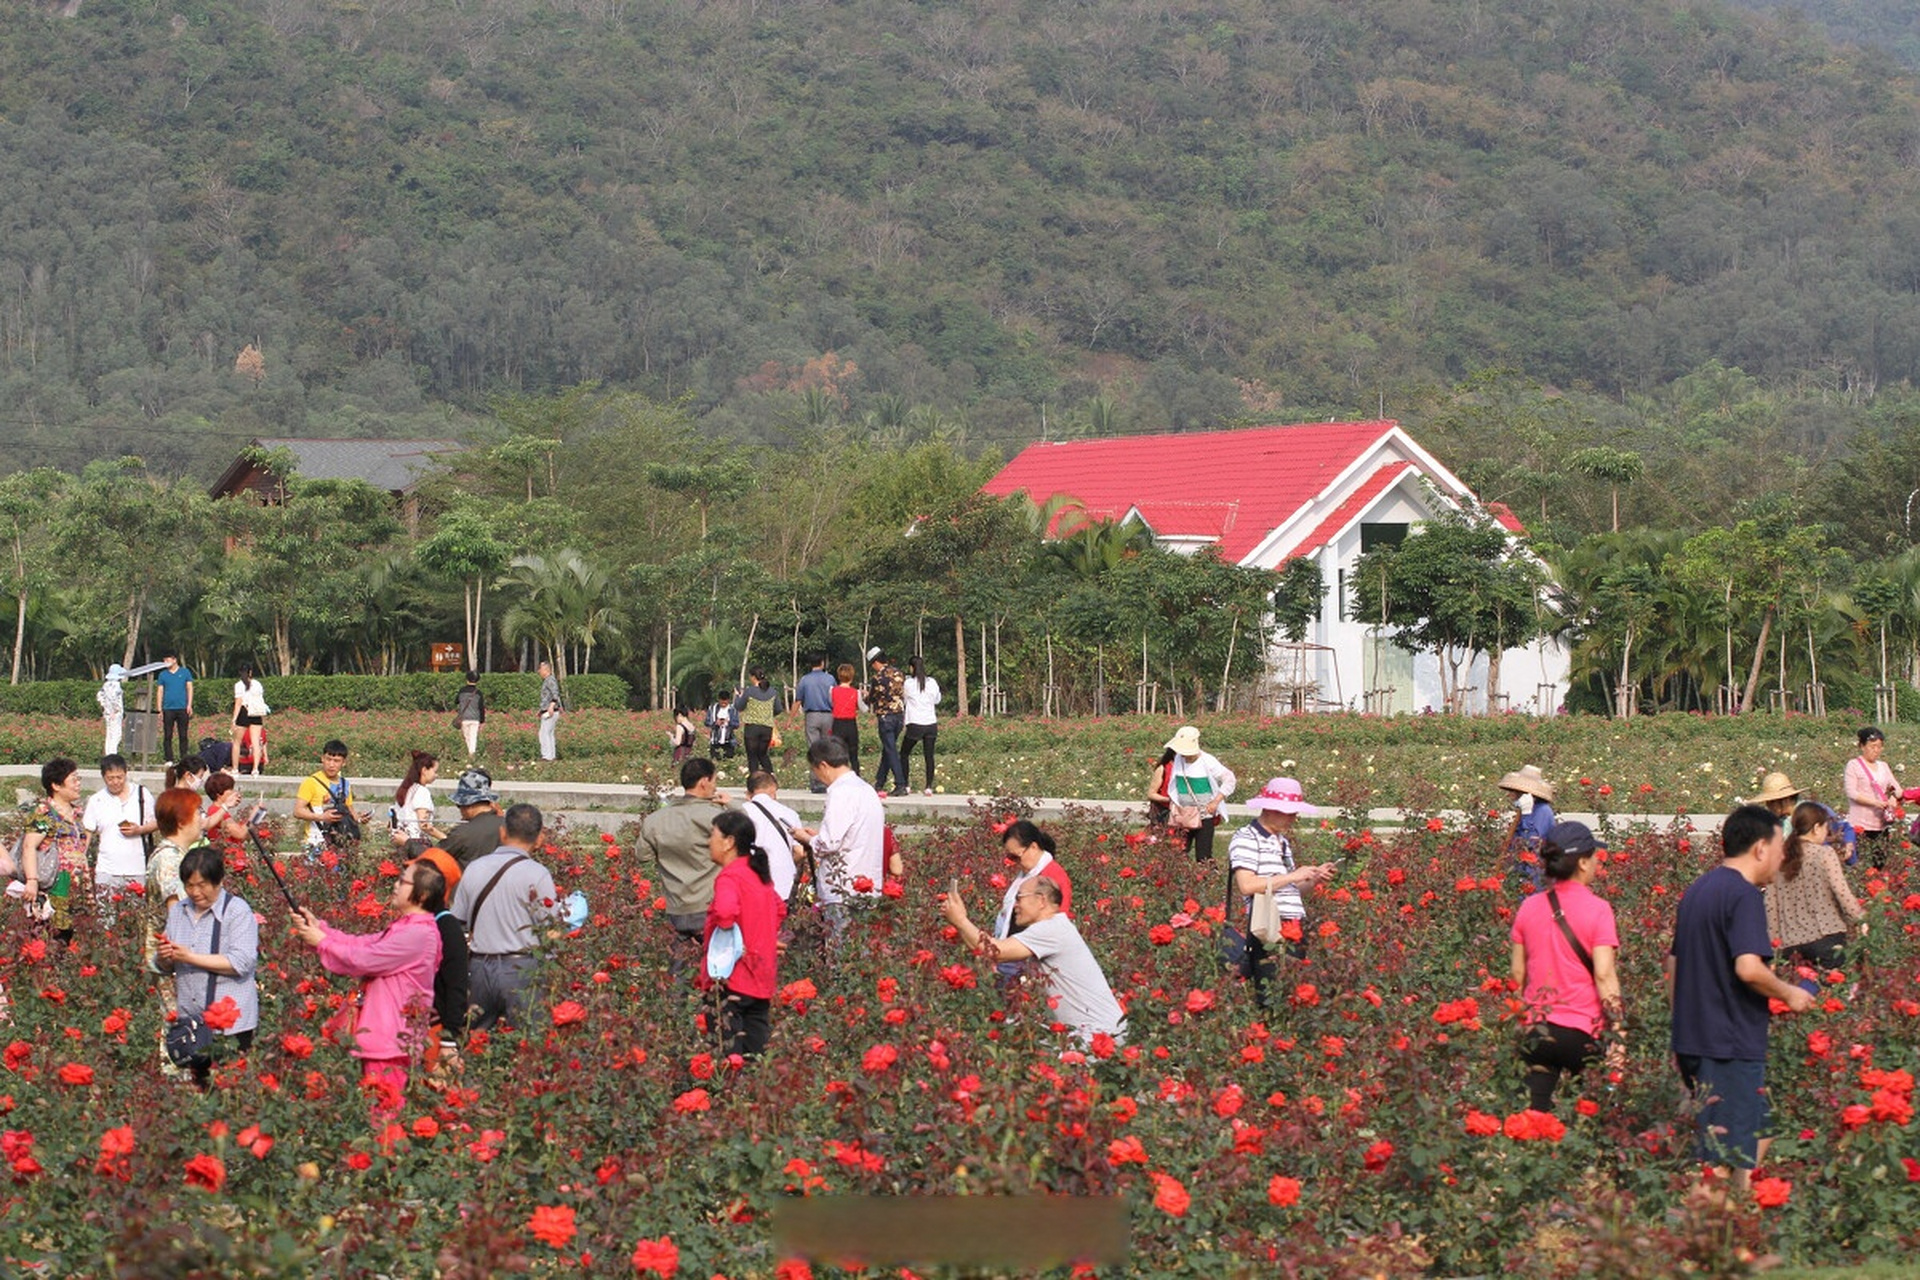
(960, 660)
(20, 633)
(1493, 677)
(746, 655)
(1616, 508)
(136, 607)
(1759, 656)
(1620, 690)
(1226, 668)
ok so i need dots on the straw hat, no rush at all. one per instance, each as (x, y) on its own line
(1775, 786)
(1529, 780)
(1186, 742)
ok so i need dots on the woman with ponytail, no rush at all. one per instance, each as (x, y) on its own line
(412, 815)
(743, 895)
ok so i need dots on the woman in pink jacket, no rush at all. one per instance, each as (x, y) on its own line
(743, 895)
(391, 1016)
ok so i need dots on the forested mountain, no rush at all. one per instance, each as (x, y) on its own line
(1119, 213)
(1892, 25)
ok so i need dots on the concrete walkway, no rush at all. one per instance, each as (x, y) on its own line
(606, 806)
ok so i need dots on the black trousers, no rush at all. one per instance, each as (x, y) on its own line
(746, 1024)
(1549, 1050)
(924, 736)
(169, 721)
(758, 739)
(203, 1072)
(848, 731)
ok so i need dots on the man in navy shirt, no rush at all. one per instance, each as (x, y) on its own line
(1721, 979)
(176, 704)
(814, 694)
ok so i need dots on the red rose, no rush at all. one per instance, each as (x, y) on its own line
(552, 1225)
(1376, 1156)
(1481, 1125)
(656, 1257)
(1169, 1196)
(206, 1172)
(1771, 1193)
(693, 1100)
(221, 1015)
(1284, 1192)
(567, 1013)
(76, 1073)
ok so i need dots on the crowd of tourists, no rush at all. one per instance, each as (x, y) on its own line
(474, 909)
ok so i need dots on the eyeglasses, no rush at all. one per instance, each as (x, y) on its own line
(1018, 896)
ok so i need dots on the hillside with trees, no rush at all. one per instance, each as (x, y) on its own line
(1119, 215)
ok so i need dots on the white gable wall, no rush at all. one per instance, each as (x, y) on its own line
(1348, 668)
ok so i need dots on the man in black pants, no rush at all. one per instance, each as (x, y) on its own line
(176, 705)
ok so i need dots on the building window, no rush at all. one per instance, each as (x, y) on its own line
(1381, 535)
(1340, 595)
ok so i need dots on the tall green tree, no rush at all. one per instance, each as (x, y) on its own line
(466, 545)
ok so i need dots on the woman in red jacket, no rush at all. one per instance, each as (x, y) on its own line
(743, 895)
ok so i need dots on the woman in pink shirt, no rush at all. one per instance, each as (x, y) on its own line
(743, 895)
(390, 1020)
(1872, 796)
(1564, 944)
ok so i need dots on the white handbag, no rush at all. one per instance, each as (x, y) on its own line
(1265, 922)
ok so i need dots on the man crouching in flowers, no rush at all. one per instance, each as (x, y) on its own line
(388, 1021)
(1076, 987)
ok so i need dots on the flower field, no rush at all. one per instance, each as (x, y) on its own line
(1659, 764)
(1369, 1123)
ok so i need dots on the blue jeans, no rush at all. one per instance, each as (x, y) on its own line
(890, 752)
(549, 727)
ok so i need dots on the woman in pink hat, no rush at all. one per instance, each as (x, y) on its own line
(1260, 859)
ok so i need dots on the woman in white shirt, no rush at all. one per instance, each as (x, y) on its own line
(412, 815)
(922, 694)
(1197, 786)
(249, 720)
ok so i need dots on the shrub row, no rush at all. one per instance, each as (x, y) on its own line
(420, 691)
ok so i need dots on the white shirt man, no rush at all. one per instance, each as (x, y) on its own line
(773, 828)
(850, 844)
(121, 813)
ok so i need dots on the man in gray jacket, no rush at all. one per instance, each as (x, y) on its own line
(675, 836)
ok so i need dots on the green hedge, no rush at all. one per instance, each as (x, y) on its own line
(416, 692)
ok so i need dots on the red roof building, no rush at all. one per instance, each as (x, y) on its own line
(1266, 495)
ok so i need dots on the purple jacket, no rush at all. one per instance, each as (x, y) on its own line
(396, 1000)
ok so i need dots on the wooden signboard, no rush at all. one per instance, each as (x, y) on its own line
(449, 657)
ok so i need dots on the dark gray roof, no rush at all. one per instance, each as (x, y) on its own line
(392, 465)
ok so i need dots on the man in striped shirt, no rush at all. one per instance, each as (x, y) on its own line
(1261, 856)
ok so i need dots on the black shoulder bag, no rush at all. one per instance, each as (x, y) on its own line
(1560, 918)
(190, 1039)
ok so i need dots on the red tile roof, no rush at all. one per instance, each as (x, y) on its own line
(1238, 486)
(1350, 510)
(1504, 514)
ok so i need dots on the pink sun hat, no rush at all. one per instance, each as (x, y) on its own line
(1284, 795)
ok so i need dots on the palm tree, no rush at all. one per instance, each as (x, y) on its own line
(707, 659)
(562, 598)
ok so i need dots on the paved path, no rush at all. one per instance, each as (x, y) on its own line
(607, 805)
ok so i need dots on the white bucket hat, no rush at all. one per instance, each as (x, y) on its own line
(1185, 742)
